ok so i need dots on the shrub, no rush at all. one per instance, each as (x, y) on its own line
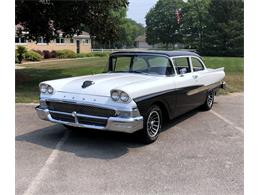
(81, 55)
(100, 54)
(38, 51)
(32, 56)
(20, 53)
(53, 54)
(46, 54)
(66, 53)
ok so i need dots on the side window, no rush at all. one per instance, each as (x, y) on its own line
(196, 65)
(121, 64)
(161, 65)
(182, 65)
(139, 64)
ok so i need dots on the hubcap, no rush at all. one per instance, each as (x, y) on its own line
(153, 123)
(210, 99)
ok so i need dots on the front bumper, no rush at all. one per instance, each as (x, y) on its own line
(119, 124)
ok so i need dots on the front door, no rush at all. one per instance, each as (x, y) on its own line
(78, 46)
(184, 83)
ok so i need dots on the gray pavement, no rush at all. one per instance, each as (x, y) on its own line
(198, 153)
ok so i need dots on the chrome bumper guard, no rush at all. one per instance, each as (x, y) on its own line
(120, 124)
(223, 85)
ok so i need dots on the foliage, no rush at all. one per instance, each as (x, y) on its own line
(194, 22)
(225, 29)
(212, 27)
(128, 33)
(20, 54)
(98, 17)
(162, 27)
(32, 56)
(66, 53)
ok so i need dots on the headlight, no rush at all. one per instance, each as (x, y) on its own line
(118, 95)
(44, 88)
(115, 95)
(50, 89)
(124, 96)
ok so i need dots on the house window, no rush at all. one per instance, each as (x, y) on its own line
(86, 41)
(60, 40)
(71, 40)
(20, 40)
(41, 40)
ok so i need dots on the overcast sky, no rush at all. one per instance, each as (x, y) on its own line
(138, 8)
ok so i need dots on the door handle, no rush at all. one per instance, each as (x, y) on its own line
(195, 76)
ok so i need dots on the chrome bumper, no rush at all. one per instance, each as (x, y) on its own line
(120, 124)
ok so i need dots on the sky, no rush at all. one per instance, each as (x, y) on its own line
(138, 9)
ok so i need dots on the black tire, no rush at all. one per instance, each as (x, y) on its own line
(209, 101)
(152, 125)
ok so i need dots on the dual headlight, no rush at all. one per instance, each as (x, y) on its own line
(46, 89)
(118, 95)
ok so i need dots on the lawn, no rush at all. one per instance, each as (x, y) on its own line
(27, 79)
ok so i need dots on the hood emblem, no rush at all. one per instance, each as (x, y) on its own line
(87, 84)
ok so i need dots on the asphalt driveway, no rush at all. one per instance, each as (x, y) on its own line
(198, 153)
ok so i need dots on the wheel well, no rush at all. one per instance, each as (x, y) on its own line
(165, 114)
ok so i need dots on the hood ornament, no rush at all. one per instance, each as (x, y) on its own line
(87, 84)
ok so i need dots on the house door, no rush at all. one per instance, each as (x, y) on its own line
(78, 46)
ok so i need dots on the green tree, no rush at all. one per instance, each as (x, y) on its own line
(71, 17)
(161, 23)
(225, 28)
(129, 30)
(194, 19)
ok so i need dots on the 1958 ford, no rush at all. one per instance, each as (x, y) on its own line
(138, 91)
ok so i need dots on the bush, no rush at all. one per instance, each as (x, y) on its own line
(32, 56)
(38, 51)
(81, 55)
(53, 54)
(66, 53)
(100, 54)
(20, 53)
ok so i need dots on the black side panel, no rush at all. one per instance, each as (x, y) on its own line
(175, 102)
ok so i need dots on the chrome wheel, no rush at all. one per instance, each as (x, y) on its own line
(210, 99)
(153, 123)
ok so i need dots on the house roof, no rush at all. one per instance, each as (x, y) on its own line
(157, 52)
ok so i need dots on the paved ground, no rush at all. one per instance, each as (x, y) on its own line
(199, 153)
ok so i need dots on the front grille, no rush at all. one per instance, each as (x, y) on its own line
(81, 120)
(92, 121)
(81, 109)
(62, 117)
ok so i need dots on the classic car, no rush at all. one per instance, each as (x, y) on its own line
(139, 91)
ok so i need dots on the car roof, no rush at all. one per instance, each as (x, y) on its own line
(156, 52)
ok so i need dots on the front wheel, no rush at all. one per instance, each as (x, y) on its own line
(152, 125)
(209, 101)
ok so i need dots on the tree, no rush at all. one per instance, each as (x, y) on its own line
(129, 30)
(47, 20)
(194, 20)
(162, 26)
(225, 28)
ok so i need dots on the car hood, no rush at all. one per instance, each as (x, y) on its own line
(102, 84)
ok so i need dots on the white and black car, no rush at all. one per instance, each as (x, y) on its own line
(138, 91)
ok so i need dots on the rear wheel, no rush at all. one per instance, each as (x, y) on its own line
(152, 125)
(209, 101)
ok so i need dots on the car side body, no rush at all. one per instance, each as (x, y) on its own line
(119, 100)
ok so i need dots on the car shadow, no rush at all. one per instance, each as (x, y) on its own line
(88, 143)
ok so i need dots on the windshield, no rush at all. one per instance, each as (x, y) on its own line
(146, 64)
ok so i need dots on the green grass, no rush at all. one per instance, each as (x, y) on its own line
(27, 79)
